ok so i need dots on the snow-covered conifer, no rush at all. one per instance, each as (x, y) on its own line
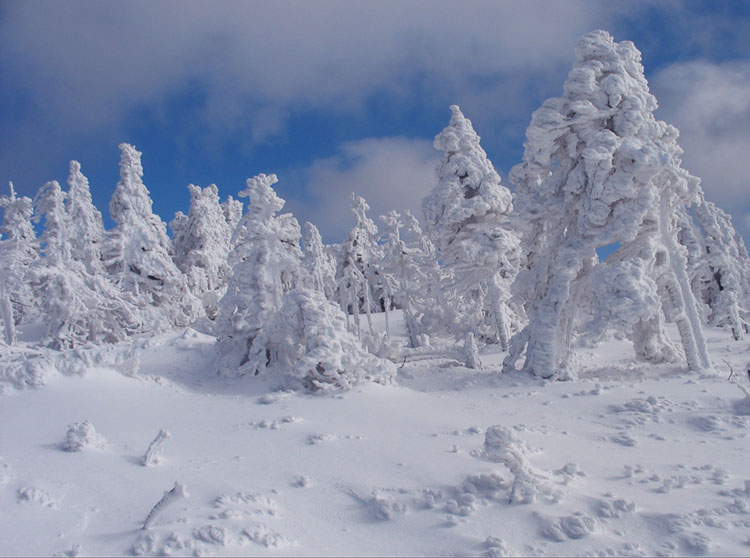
(599, 169)
(18, 250)
(318, 264)
(86, 226)
(722, 270)
(79, 306)
(467, 218)
(307, 343)
(137, 253)
(265, 263)
(201, 245)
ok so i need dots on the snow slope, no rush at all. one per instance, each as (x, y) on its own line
(633, 459)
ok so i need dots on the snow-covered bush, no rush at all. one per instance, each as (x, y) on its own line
(265, 264)
(82, 435)
(308, 344)
(599, 169)
(467, 218)
(137, 253)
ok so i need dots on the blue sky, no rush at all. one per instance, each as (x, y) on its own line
(336, 97)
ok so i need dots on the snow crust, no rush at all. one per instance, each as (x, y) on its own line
(633, 459)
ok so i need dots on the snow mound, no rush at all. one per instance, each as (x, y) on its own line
(83, 435)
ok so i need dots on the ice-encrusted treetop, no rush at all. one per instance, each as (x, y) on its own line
(610, 158)
(87, 228)
(16, 224)
(469, 186)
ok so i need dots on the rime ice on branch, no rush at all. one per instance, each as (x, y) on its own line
(599, 169)
(467, 218)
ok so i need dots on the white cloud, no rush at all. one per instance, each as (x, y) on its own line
(90, 63)
(390, 173)
(710, 105)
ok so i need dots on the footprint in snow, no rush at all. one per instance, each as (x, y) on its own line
(33, 495)
(624, 439)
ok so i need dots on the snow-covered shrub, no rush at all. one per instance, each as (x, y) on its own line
(82, 435)
(599, 169)
(467, 218)
(265, 264)
(503, 445)
(137, 253)
(308, 344)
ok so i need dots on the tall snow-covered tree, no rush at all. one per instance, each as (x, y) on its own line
(19, 249)
(720, 268)
(319, 266)
(201, 245)
(87, 228)
(411, 271)
(467, 218)
(265, 264)
(361, 287)
(79, 307)
(599, 169)
(137, 253)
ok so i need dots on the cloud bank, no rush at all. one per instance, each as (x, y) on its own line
(710, 105)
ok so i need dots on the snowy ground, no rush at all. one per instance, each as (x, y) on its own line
(630, 460)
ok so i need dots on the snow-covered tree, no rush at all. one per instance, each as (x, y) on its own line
(720, 267)
(410, 269)
(18, 250)
(467, 218)
(201, 245)
(86, 226)
(265, 263)
(318, 264)
(599, 169)
(361, 288)
(307, 343)
(137, 253)
(79, 306)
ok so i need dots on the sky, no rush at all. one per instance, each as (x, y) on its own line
(337, 96)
